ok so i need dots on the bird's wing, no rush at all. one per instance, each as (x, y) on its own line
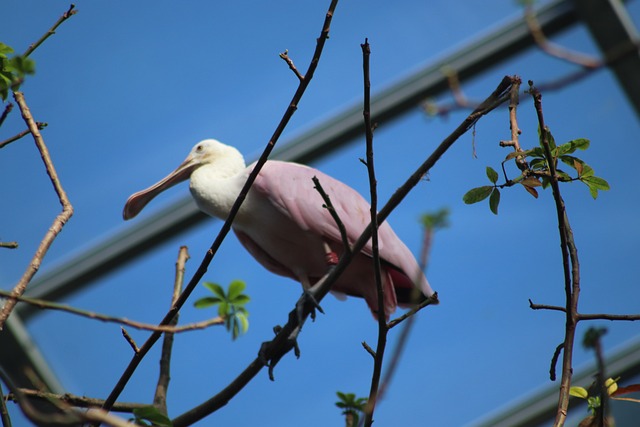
(289, 187)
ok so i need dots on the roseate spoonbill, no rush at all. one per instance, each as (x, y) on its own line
(283, 225)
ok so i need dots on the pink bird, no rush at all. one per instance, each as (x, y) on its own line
(284, 226)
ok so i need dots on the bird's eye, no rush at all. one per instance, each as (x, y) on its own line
(199, 148)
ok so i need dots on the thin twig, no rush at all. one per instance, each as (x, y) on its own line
(48, 305)
(368, 349)
(160, 396)
(9, 245)
(371, 173)
(130, 340)
(580, 316)
(14, 138)
(553, 49)
(554, 361)
(334, 214)
(75, 400)
(570, 263)
(5, 112)
(66, 416)
(285, 56)
(224, 231)
(58, 223)
(68, 14)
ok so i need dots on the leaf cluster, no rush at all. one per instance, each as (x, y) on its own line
(536, 171)
(13, 70)
(230, 305)
(352, 406)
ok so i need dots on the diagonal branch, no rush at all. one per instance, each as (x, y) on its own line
(226, 227)
(68, 14)
(58, 223)
(334, 214)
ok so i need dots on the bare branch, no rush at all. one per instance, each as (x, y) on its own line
(197, 414)
(14, 138)
(74, 400)
(570, 263)
(5, 112)
(368, 349)
(130, 340)
(554, 361)
(285, 56)
(68, 14)
(329, 206)
(160, 397)
(553, 49)
(111, 319)
(579, 316)
(382, 316)
(9, 245)
(58, 223)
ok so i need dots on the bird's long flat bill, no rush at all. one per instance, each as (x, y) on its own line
(139, 200)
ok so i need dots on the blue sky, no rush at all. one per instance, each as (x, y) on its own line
(128, 88)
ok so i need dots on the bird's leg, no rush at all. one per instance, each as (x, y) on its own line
(307, 297)
(330, 256)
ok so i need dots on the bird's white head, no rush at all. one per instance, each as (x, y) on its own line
(222, 160)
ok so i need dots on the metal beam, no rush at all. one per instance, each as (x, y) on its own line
(614, 32)
(134, 241)
(540, 408)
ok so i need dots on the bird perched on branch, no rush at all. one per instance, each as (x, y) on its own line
(284, 226)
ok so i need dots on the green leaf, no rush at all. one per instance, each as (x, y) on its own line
(586, 170)
(538, 164)
(4, 49)
(580, 392)
(244, 321)
(436, 220)
(551, 139)
(563, 176)
(477, 194)
(235, 288)
(152, 414)
(241, 300)
(492, 175)
(573, 162)
(494, 201)
(595, 183)
(223, 309)
(22, 65)
(207, 302)
(216, 289)
(580, 143)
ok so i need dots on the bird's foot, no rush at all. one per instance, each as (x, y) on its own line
(307, 298)
(271, 360)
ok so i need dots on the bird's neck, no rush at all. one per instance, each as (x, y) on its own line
(215, 190)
